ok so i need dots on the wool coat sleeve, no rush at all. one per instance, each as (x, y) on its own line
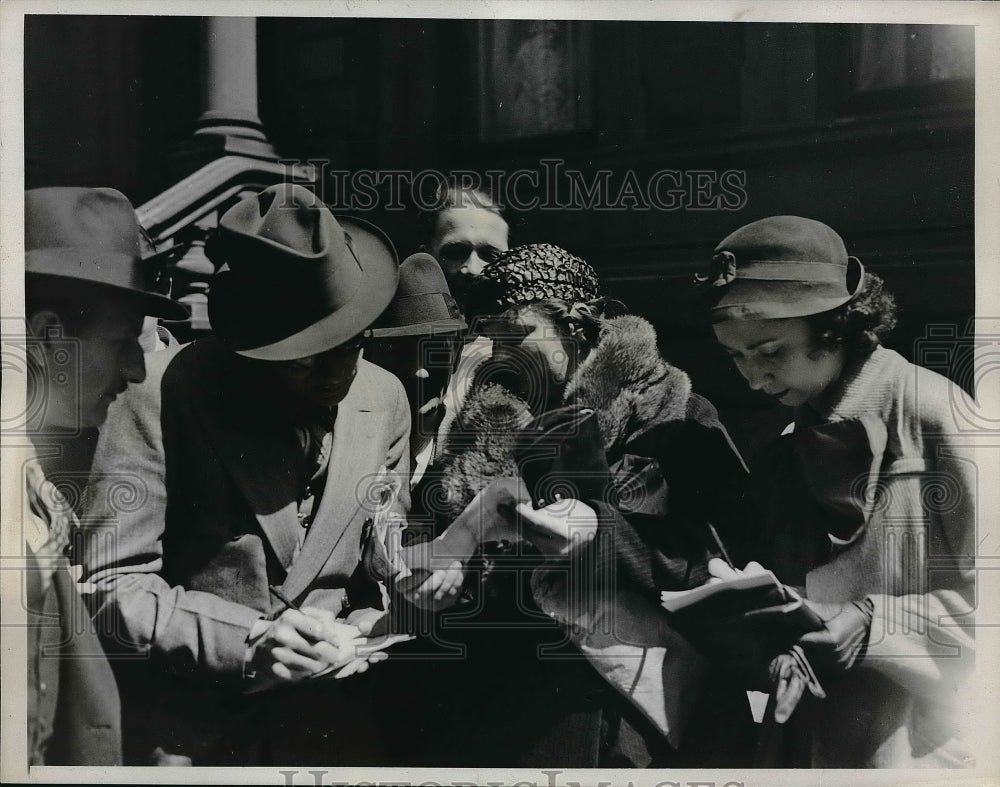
(686, 473)
(125, 519)
(922, 632)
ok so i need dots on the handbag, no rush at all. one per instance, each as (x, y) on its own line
(743, 627)
(560, 455)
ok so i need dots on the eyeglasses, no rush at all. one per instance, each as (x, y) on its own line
(355, 345)
(459, 251)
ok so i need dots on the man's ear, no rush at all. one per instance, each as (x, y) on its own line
(42, 325)
(45, 323)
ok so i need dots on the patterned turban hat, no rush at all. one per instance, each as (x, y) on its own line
(536, 272)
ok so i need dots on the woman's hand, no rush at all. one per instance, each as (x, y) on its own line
(440, 590)
(497, 503)
(489, 516)
(558, 527)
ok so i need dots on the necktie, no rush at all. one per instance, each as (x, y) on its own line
(317, 439)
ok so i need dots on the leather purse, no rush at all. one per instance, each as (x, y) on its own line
(744, 630)
(560, 455)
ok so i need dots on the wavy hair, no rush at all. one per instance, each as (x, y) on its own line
(859, 325)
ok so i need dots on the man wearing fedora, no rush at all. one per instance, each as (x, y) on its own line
(415, 340)
(86, 297)
(266, 452)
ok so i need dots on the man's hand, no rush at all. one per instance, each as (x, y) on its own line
(296, 645)
(559, 526)
(360, 665)
(365, 620)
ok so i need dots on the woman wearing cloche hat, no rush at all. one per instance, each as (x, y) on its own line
(867, 485)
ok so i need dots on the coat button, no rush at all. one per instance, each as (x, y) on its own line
(43, 687)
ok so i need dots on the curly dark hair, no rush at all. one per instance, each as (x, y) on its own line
(859, 325)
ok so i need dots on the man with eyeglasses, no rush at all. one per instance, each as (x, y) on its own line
(242, 577)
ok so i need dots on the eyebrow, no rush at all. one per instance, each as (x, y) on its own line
(753, 346)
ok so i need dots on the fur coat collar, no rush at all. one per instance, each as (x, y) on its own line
(623, 379)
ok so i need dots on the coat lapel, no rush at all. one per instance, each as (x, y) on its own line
(353, 454)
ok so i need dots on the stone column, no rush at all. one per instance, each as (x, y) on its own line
(229, 88)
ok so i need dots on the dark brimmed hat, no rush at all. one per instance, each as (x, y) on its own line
(780, 267)
(422, 305)
(531, 273)
(367, 239)
(293, 283)
(91, 235)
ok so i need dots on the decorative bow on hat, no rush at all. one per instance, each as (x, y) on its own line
(721, 272)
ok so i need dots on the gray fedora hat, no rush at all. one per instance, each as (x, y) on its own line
(91, 235)
(422, 305)
(293, 283)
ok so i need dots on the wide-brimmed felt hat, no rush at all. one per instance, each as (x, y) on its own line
(422, 305)
(780, 267)
(293, 283)
(367, 239)
(531, 273)
(91, 235)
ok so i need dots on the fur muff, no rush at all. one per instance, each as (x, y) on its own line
(480, 444)
(623, 379)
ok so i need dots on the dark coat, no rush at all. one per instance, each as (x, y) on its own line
(665, 445)
(665, 440)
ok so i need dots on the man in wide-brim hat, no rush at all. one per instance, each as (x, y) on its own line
(268, 454)
(416, 339)
(86, 293)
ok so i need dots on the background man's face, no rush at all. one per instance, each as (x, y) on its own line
(466, 239)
